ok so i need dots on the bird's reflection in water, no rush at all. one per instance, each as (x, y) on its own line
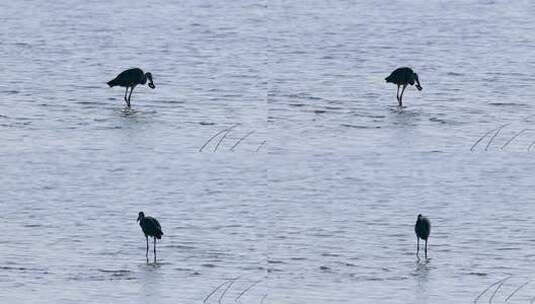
(421, 273)
(151, 266)
(126, 111)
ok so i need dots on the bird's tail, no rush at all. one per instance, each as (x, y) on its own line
(112, 83)
(158, 234)
(389, 79)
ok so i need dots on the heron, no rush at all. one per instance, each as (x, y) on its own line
(150, 227)
(422, 229)
(403, 77)
(130, 79)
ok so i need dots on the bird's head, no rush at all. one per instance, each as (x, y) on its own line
(419, 216)
(140, 216)
(418, 86)
(149, 77)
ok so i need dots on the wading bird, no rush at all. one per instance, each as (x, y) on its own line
(422, 229)
(150, 227)
(403, 77)
(130, 79)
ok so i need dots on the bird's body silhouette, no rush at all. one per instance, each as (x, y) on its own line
(422, 230)
(403, 77)
(130, 79)
(151, 227)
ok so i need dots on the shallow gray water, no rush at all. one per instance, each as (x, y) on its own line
(317, 199)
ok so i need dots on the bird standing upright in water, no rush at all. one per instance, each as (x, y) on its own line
(150, 227)
(403, 77)
(422, 229)
(130, 79)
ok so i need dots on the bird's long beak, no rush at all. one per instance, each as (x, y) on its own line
(138, 219)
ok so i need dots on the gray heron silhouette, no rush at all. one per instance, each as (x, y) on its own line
(130, 79)
(422, 229)
(150, 227)
(403, 77)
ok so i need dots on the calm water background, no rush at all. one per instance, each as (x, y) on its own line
(317, 204)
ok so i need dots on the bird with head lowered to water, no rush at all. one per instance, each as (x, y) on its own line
(403, 77)
(130, 79)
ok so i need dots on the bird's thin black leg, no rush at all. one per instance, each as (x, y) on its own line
(426, 249)
(397, 94)
(130, 95)
(147, 252)
(127, 99)
(401, 96)
(417, 247)
(154, 250)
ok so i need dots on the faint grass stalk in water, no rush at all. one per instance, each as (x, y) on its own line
(211, 138)
(263, 298)
(246, 290)
(481, 138)
(226, 289)
(516, 290)
(223, 137)
(491, 285)
(260, 146)
(215, 290)
(531, 145)
(512, 138)
(494, 136)
(240, 140)
(497, 288)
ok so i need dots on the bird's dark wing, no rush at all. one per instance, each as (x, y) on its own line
(154, 223)
(422, 228)
(131, 76)
(427, 227)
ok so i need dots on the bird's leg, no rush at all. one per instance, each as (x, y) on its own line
(131, 90)
(127, 100)
(401, 96)
(147, 252)
(426, 249)
(397, 94)
(155, 250)
(417, 247)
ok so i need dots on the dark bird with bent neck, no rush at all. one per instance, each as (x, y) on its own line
(130, 79)
(403, 77)
(150, 227)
